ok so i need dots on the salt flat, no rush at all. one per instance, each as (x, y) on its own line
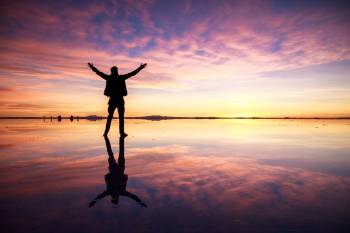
(193, 175)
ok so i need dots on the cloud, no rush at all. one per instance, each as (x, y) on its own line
(24, 106)
(6, 89)
(182, 41)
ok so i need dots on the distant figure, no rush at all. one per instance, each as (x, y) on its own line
(116, 180)
(59, 118)
(71, 118)
(116, 90)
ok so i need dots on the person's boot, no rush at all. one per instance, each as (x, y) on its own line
(123, 134)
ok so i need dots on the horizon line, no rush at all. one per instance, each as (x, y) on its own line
(161, 117)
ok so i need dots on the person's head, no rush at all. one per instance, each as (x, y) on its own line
(114, 70)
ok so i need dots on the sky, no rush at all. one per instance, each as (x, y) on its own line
(205, 58)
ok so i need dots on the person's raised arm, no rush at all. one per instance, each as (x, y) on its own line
(134, 197)
(99, 73)
(100, 196)
(133, 73)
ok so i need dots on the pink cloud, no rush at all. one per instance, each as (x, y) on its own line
(6, 89)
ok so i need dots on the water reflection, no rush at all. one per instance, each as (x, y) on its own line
(116, 180)
(283, 176)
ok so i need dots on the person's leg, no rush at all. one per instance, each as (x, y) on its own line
(121, 157)
(121, 111)
(111, 109)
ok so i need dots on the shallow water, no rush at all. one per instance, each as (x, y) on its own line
(193, 175)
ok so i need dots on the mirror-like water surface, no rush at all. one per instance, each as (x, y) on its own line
(175, 176)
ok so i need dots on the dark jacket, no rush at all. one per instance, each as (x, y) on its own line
(115, 87)
(115, 84)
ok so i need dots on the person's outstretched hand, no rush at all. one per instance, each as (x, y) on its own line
(92, 203)
(91, 65)
(143, 204)
(143, 65)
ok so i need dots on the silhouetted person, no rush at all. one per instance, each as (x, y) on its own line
(116, 180)
(116, 90)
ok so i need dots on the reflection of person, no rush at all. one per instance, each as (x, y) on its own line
(116, 90)
(116, 180)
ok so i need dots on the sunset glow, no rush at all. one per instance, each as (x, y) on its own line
(205, 58)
